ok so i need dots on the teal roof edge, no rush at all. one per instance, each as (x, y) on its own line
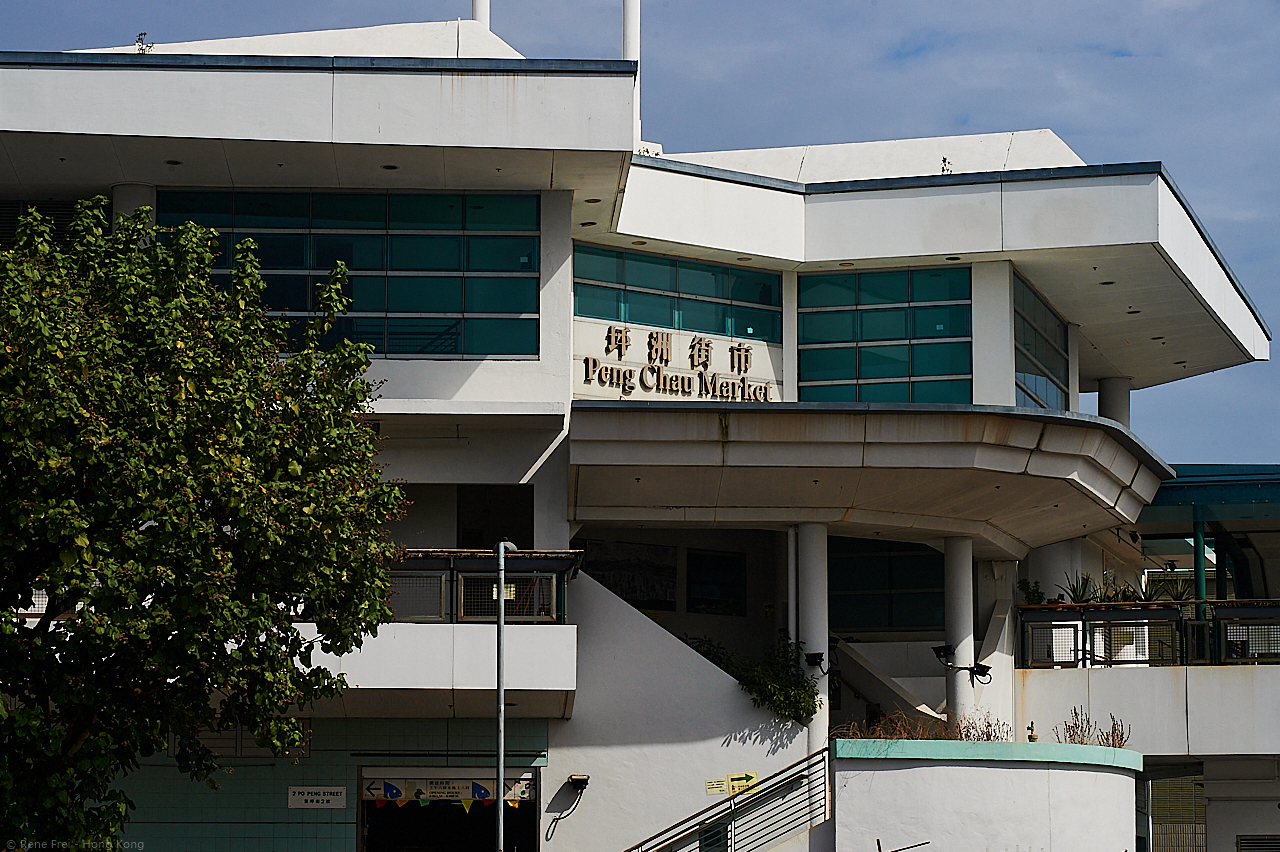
(962, 750)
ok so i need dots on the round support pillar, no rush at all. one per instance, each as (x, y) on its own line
(1113, 400)
(958, 560)
(811, 547)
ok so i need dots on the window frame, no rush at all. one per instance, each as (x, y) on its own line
(1021, 349)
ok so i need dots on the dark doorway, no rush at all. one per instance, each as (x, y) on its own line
(489, 513)
(447, 827)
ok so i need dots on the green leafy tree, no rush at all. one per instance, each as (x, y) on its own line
(776, 681)
(174, 497)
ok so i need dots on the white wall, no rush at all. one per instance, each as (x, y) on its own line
(970, 806)
(652, 722)
(993, 333)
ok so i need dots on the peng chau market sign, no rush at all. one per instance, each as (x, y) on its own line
(658, 376)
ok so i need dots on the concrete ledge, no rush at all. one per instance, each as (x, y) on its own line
(957, 750)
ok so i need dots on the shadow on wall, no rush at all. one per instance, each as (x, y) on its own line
(777, 734)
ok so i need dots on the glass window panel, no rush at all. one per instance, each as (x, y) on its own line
(211, 209)
(425, 212)
(501, 295)
(941, 321)
(939, 285)
(598, 302)
(763, 288)
(952, 392)
(272, 210)
(858, 573)
(502, 254)
(923, 571)
(414, 295)
(371, 330)
(502, 212)
(357, 251)
(224, 251)
(420, 336)
(655, 273)
(709, 317)
(1039, 313)
(368, 293)
(221, 282)
(844, 546)
(286, 293)
(829, 393)
(361, 212)
(436, 254)
(882, 362)
(918, 609)
(882, 288)
(295, 331)
(1024, 400)
(858, 612)
(1039, 384)
(940, 359)
(828, 327)
(651, 309)
(716, 582)
(883, 325)
(822, 291)
(500, 337)
(757, 324)
(1034, 342)
(884, 392)
(699, 279)
(820, 365)
(597, 264)
(279, 251)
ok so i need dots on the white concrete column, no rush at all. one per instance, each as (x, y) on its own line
(958, 560)
(992, 297)
(631, 51)
(811, 556)
(1113, 399)
(480, 12)
(1073, 367)
(128, 197)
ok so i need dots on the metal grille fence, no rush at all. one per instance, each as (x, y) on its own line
(1054, 645)
(528, 597)
(782, 805)
(1250, 641)
(1129, 642)
(418, 595)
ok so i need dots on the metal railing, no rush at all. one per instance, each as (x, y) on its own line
(455, 596)
(765, 814)
(1150, 634)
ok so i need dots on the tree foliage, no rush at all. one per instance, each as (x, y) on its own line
(179, 496)
(777, 681)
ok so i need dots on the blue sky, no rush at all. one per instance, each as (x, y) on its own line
(1194, 84)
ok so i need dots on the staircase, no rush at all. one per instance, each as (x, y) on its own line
(776, 809)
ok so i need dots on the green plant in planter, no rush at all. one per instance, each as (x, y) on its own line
(1031, 594)
(1081, 589)
(777, 681)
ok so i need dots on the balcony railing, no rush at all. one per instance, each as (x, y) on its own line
(454, 586)
(1062, 635)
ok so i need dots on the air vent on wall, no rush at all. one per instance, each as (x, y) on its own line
(1258, 843)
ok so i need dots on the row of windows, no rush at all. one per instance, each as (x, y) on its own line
(826, 290)
(1041, 362)
(883, 585)
(425, 336)
(630, 306)
(948, 391)
(884, 324)
(407, 294)
(376, 252)
(885, 362)
(348, 211)
(688, 278)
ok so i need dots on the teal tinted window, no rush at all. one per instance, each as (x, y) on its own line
(502, 213)
(356, 212)
(422, 336)
(707, 317)
(279, 251)
(368, 293)
(699, 279)
(883, 362)
(954, 391)
(412, 295)
(1038, 346)
(940, 359)
(822, 365)
(941, 321)
(939, 285)
(654, 273)
(1038, 313)
(358, 330)
(211, 209)
(829, 393)
(1050, 394)
(500, 336)
(917, 609)
(598, 302)
(502, 254)
(859, 612)
(821, 291)
(916, 571)
(223, 251)
(828, 327)
(357, 251)
(885, 392)
(651, 309)
(763, 288)
(882, 288)
(501, 296)
(864, 573)
(286, 293)
(883, 325)
(272, 210)
(425, 212)
(877, 585)
(597, 264)
(434, 254)
(757, 324)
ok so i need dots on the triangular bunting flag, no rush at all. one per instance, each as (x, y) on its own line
(513, 803)
(424, 802)
(400, 803)
(380, 802)
(467, 803)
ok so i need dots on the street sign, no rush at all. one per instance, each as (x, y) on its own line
(740, 781)
(328, 798)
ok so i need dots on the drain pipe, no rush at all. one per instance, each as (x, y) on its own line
(631, 51)
(480, 12)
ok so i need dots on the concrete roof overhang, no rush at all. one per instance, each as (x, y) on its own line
(1011, 478)
(1115, 248)
(75, 123)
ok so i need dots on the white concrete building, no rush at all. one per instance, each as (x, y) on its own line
(832, 391)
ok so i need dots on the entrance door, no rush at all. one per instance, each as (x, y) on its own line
(447, 827)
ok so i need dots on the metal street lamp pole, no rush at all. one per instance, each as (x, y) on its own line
(502, 548)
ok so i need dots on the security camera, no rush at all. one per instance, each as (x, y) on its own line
(579, 782)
